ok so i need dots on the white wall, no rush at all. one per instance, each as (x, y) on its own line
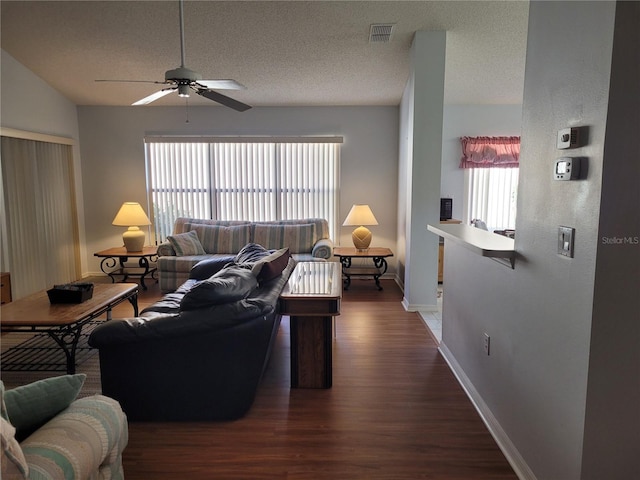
(28, 103)
(540, 315)
(473, 121)
(421, 135)
(612, 421)
(113, 157)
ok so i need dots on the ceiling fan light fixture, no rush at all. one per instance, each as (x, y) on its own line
(183, 91)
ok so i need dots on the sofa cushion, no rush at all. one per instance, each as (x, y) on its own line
(31, 406)
(230, 284)
(221, 239)
(186, 243)
(272, 265)
(299, 238)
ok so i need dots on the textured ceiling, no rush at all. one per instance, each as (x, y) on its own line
(287, 53)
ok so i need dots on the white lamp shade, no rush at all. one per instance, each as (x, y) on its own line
(131, 214)
(360, 215)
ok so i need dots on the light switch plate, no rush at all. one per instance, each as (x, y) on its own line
(565, 241)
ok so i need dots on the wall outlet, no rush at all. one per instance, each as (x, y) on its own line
(487, 343)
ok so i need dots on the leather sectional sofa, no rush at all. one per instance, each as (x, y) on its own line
(307, 240)
(199, 353)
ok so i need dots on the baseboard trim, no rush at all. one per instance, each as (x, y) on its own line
(418, 308)
(509, 450)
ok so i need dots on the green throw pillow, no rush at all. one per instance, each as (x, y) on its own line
(186, 244)
(31, 406)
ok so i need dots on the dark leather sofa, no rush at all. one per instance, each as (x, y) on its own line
(200, 352)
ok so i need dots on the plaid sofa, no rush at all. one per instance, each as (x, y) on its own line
(307, 239)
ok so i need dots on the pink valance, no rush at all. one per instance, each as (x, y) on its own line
(490, 152)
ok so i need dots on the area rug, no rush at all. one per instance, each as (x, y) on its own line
(27, 357)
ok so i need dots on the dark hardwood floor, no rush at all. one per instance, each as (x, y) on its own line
(395, 412)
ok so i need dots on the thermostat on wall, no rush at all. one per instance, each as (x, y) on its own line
(567, 168)
(568, 138)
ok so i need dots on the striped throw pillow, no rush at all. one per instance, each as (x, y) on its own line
(186, 243)
(222, 239)
(299, 238)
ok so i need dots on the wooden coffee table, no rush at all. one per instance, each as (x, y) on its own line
(64, 322)
(311, 298)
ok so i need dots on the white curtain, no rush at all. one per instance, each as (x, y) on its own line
(39, 214)
(242, 179)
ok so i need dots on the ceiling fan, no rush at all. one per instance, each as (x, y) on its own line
(183, 80)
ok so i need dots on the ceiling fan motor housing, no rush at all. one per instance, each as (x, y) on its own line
(182, 75)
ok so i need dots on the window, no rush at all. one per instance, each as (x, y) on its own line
(242, 179)
(491, 180)
(491, 195)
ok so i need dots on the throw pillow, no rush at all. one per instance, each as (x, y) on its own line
(230, 284)
(271, 266)
(186, 244)
(14, 465)
(221, 239)
(251, 252)
(300, 238)
(31, 406)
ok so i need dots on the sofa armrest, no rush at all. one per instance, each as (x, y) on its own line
(165, 249)
(86, 440)
(323, 249)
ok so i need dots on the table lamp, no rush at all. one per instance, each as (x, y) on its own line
(132, 215)
(360, 215)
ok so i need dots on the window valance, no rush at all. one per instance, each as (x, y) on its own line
(490, 152)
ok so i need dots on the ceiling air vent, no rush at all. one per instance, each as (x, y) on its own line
(381, 32)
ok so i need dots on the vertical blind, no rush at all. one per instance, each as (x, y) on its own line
(242, 179)
(38, 207)
(491, 196)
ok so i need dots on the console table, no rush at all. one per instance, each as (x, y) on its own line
(114, 263)
(311, 298)
(379, 267)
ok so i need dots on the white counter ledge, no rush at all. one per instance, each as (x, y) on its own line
(482, 242)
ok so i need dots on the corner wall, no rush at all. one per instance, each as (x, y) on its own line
(28, 103)
(421, 150)
(541, 316)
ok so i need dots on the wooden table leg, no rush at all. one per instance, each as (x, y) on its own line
(311, 352)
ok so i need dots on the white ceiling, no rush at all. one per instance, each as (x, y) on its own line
(287, 53)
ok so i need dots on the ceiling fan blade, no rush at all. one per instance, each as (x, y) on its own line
(134, 81)
(224, 100)
(154, 96)
(223, 84)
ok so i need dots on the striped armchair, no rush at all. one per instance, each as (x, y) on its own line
(84, 441)
(307, 239)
